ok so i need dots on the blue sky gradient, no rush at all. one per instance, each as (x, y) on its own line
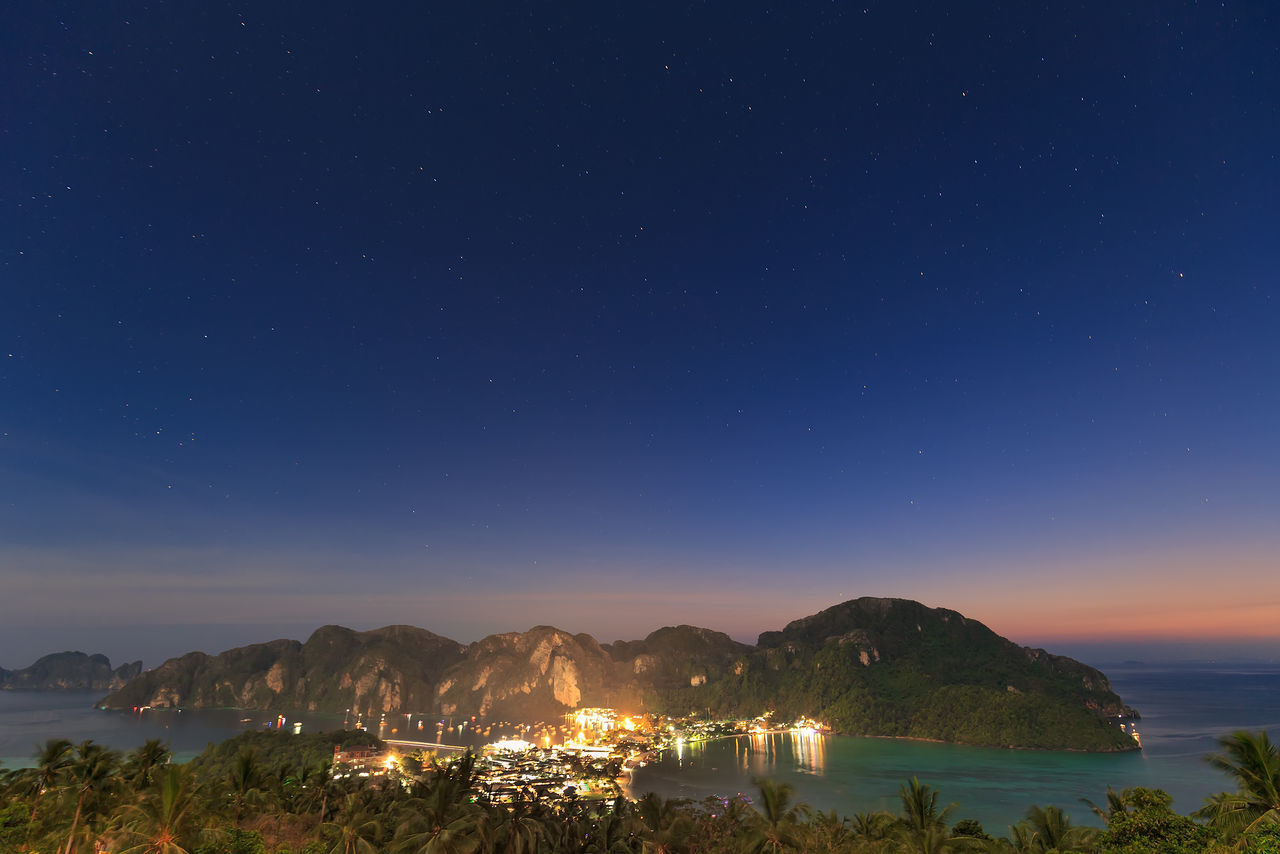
(616, 318)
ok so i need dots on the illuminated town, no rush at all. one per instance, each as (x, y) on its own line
(590, 755)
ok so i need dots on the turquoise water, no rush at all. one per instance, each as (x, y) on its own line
(1184, 710)
(858, 774)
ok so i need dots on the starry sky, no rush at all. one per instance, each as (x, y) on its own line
(614, 316)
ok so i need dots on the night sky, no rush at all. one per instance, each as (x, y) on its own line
(615, 316)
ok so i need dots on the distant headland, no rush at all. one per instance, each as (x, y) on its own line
(69, 671)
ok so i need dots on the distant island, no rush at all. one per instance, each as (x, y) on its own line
(69, 671)
(870, 666)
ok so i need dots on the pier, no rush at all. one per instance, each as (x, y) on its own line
(429, 745)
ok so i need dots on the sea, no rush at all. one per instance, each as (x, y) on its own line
(1185, 708)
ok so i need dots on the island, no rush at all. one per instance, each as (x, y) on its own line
(69, 671)
(870, 666)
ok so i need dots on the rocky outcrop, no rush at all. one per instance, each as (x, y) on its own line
(679, 656)
(336, 669)
(69, 671)
(540, 673)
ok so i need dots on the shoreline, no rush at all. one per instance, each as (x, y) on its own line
(912, 738)
(1074, 750)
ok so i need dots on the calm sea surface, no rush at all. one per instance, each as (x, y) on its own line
(29, 718)
(1184, 710)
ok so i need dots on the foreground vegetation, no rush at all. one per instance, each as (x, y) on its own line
(274, 793)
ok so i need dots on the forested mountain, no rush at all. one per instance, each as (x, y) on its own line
(888, 667)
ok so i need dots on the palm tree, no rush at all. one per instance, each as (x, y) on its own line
(1022, 838)
(668, 828)
(244, 782)
(164, 822)
(831, 831)
(330, 788)
(358, 828)
(932, 840)
(567, 827)
(777, 827)
(51, 761)
(283, 787)
(922, 827)
(722, 823)
(614, 833)
(518, 829)
(1254, 763)
(92, 771)
(920, 806)
(1115, 803)
(870, 827)
(313, 784)
(454, 831)
(442, 821)
(142, 764)
(1051, 831)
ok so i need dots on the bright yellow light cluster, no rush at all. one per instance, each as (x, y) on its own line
(596, 720)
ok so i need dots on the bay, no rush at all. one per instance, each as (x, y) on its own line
(1184, 707)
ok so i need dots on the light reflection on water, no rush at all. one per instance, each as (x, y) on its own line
(1184, 710)
(859, 774)
(759, 752)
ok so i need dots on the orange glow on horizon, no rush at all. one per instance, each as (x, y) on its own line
(1144, 597)
(1194, 621)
